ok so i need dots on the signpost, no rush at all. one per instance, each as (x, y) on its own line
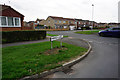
(56, 38)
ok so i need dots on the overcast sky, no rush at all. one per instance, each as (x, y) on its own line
(104, 10)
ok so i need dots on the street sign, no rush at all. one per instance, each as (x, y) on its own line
(56, 38)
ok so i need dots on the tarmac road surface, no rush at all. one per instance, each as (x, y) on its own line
(102, 62)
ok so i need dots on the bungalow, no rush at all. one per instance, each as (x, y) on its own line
(10, 19)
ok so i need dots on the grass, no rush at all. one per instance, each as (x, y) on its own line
(25, 60)
(51, 35)
(55, 35)
(87, 32)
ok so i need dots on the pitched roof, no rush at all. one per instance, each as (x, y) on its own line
(61, 18)
(4, 7)
(79, 19)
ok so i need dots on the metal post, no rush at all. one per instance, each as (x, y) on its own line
(61, 42)
(51, 45)
(92, 15)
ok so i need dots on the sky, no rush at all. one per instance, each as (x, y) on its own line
(103, 10)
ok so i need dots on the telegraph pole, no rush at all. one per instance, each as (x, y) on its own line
(92, 15)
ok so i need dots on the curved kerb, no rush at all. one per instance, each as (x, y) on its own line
(62, 68)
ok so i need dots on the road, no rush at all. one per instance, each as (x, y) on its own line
(102, 62)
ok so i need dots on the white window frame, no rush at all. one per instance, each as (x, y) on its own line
(19, 21)
(1, 21)
(7, 22)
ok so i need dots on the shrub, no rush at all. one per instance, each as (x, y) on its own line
(17, 36)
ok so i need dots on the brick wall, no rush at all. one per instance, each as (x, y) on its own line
(10, 28)
(15, 28)
(27, 28)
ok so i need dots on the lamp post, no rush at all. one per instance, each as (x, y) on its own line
(92, 15)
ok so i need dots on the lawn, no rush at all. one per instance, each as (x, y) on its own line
(25, 60)
(55, 35)
(87, 32)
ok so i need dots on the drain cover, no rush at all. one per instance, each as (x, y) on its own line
(68, 71)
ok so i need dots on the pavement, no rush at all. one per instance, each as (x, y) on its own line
(24, 42)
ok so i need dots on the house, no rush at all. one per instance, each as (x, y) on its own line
(83, 23)
(112, 24)
(53, 22)
(79, 23)
(102, 25)
(28, 25)
(10, 19)
(39, 24)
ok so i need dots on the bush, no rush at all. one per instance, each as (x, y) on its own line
(17, 36)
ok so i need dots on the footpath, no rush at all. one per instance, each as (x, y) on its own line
(70, 40)
(25, 42)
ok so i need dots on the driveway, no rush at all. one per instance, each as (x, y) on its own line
(102, 62)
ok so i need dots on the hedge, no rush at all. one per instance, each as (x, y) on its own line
(17, 36)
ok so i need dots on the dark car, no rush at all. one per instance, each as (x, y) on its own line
(114, 32)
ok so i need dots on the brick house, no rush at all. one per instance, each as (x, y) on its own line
(39, 24)
(10, 19)
(102, 25)
(53, 22)
(112, 24)
(83, 23)
(79, 23)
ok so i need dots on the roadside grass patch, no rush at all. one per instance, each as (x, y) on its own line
(29, 59)
(51, 35)
(87, 32)
(55, 35)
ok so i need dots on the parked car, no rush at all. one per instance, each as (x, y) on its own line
(114, 32)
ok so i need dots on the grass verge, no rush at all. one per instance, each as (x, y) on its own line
(87, 32)
(55, 35)
(25, 60)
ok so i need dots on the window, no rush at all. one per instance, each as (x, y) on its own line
(3, 21)
(55, 21)
(9, 21)
(79, 22)
(16, 21)
(70, 22)
(59, 21)
(64, 22)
